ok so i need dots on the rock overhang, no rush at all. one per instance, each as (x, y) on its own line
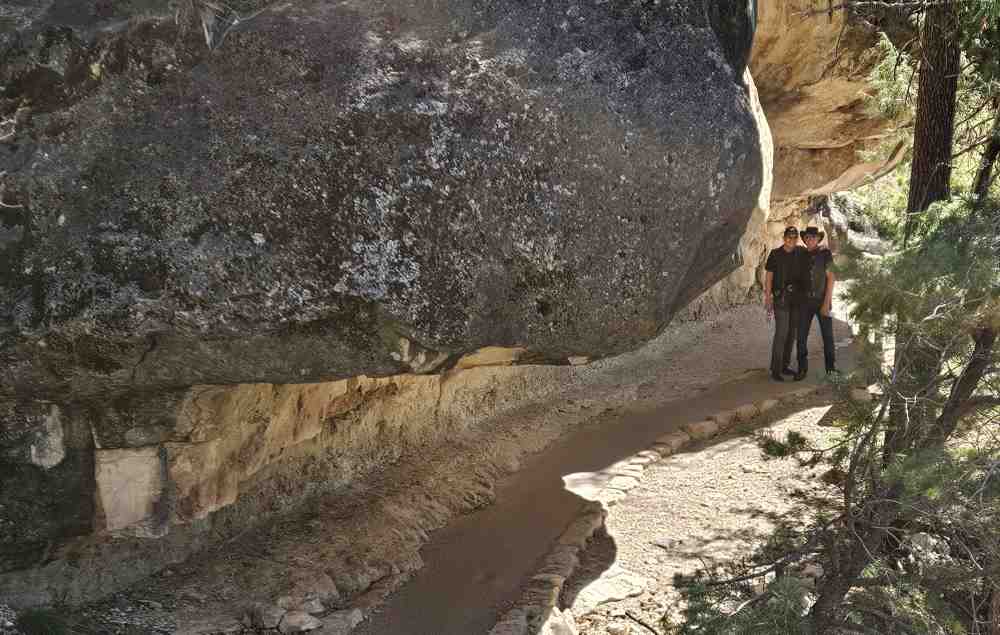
(336, 178)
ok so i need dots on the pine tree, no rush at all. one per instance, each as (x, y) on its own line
(930, 179)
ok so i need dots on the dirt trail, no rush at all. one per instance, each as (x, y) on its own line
(709, 504)
(476, 566)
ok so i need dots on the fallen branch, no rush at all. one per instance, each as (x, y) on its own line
(880, 4)
(638, 621)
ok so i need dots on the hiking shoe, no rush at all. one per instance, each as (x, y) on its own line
(799, 376)
(788, 371)
(777, 377)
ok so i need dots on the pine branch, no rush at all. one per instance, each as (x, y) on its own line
(961, 390)
(978, 403)
(881, 4)
(640, 622)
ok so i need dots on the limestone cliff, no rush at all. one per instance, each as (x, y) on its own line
(810, 66)
(203, 205)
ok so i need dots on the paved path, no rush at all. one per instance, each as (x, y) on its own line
(475, 567)
(711, 503)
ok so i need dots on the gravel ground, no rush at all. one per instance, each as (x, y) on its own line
(708, 505)
(7, 618)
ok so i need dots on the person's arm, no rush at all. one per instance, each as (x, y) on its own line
(828, 299)
(768, 296)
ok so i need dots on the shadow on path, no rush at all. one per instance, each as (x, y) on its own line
(781, 496)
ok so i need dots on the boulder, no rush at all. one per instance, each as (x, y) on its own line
(341, 189)
(298, 622)
(701, 430)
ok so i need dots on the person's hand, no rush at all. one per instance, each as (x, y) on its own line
(769, 305)
(825, 309)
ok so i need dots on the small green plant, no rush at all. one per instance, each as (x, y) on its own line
(773, 448)
(42, 621)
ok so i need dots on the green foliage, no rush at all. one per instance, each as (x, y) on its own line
(779, 609)
(892, 79)
(894, 95)
(894, 83)
(42, 622)
(952, 263)
(904, 609)
(980, 35)
(883, 202)
(774, 448)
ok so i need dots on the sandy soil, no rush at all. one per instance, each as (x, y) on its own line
(708, 505)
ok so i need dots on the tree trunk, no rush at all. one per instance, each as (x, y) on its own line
(824, 613)
(995, 613)
(867, 541)
(930, 176)
(984, 175)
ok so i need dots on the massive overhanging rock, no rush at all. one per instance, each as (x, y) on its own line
(339, 177)
(740, 286)
(337, 191)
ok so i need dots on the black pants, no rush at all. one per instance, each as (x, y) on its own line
(806, 313)
(786, 324)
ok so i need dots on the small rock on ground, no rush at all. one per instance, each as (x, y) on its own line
(299, 622)
(613, 585)
(341, 622)
(560, 623)
(702, 429)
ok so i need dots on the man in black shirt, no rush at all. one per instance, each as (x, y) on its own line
(781, 287)
(817, 300)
